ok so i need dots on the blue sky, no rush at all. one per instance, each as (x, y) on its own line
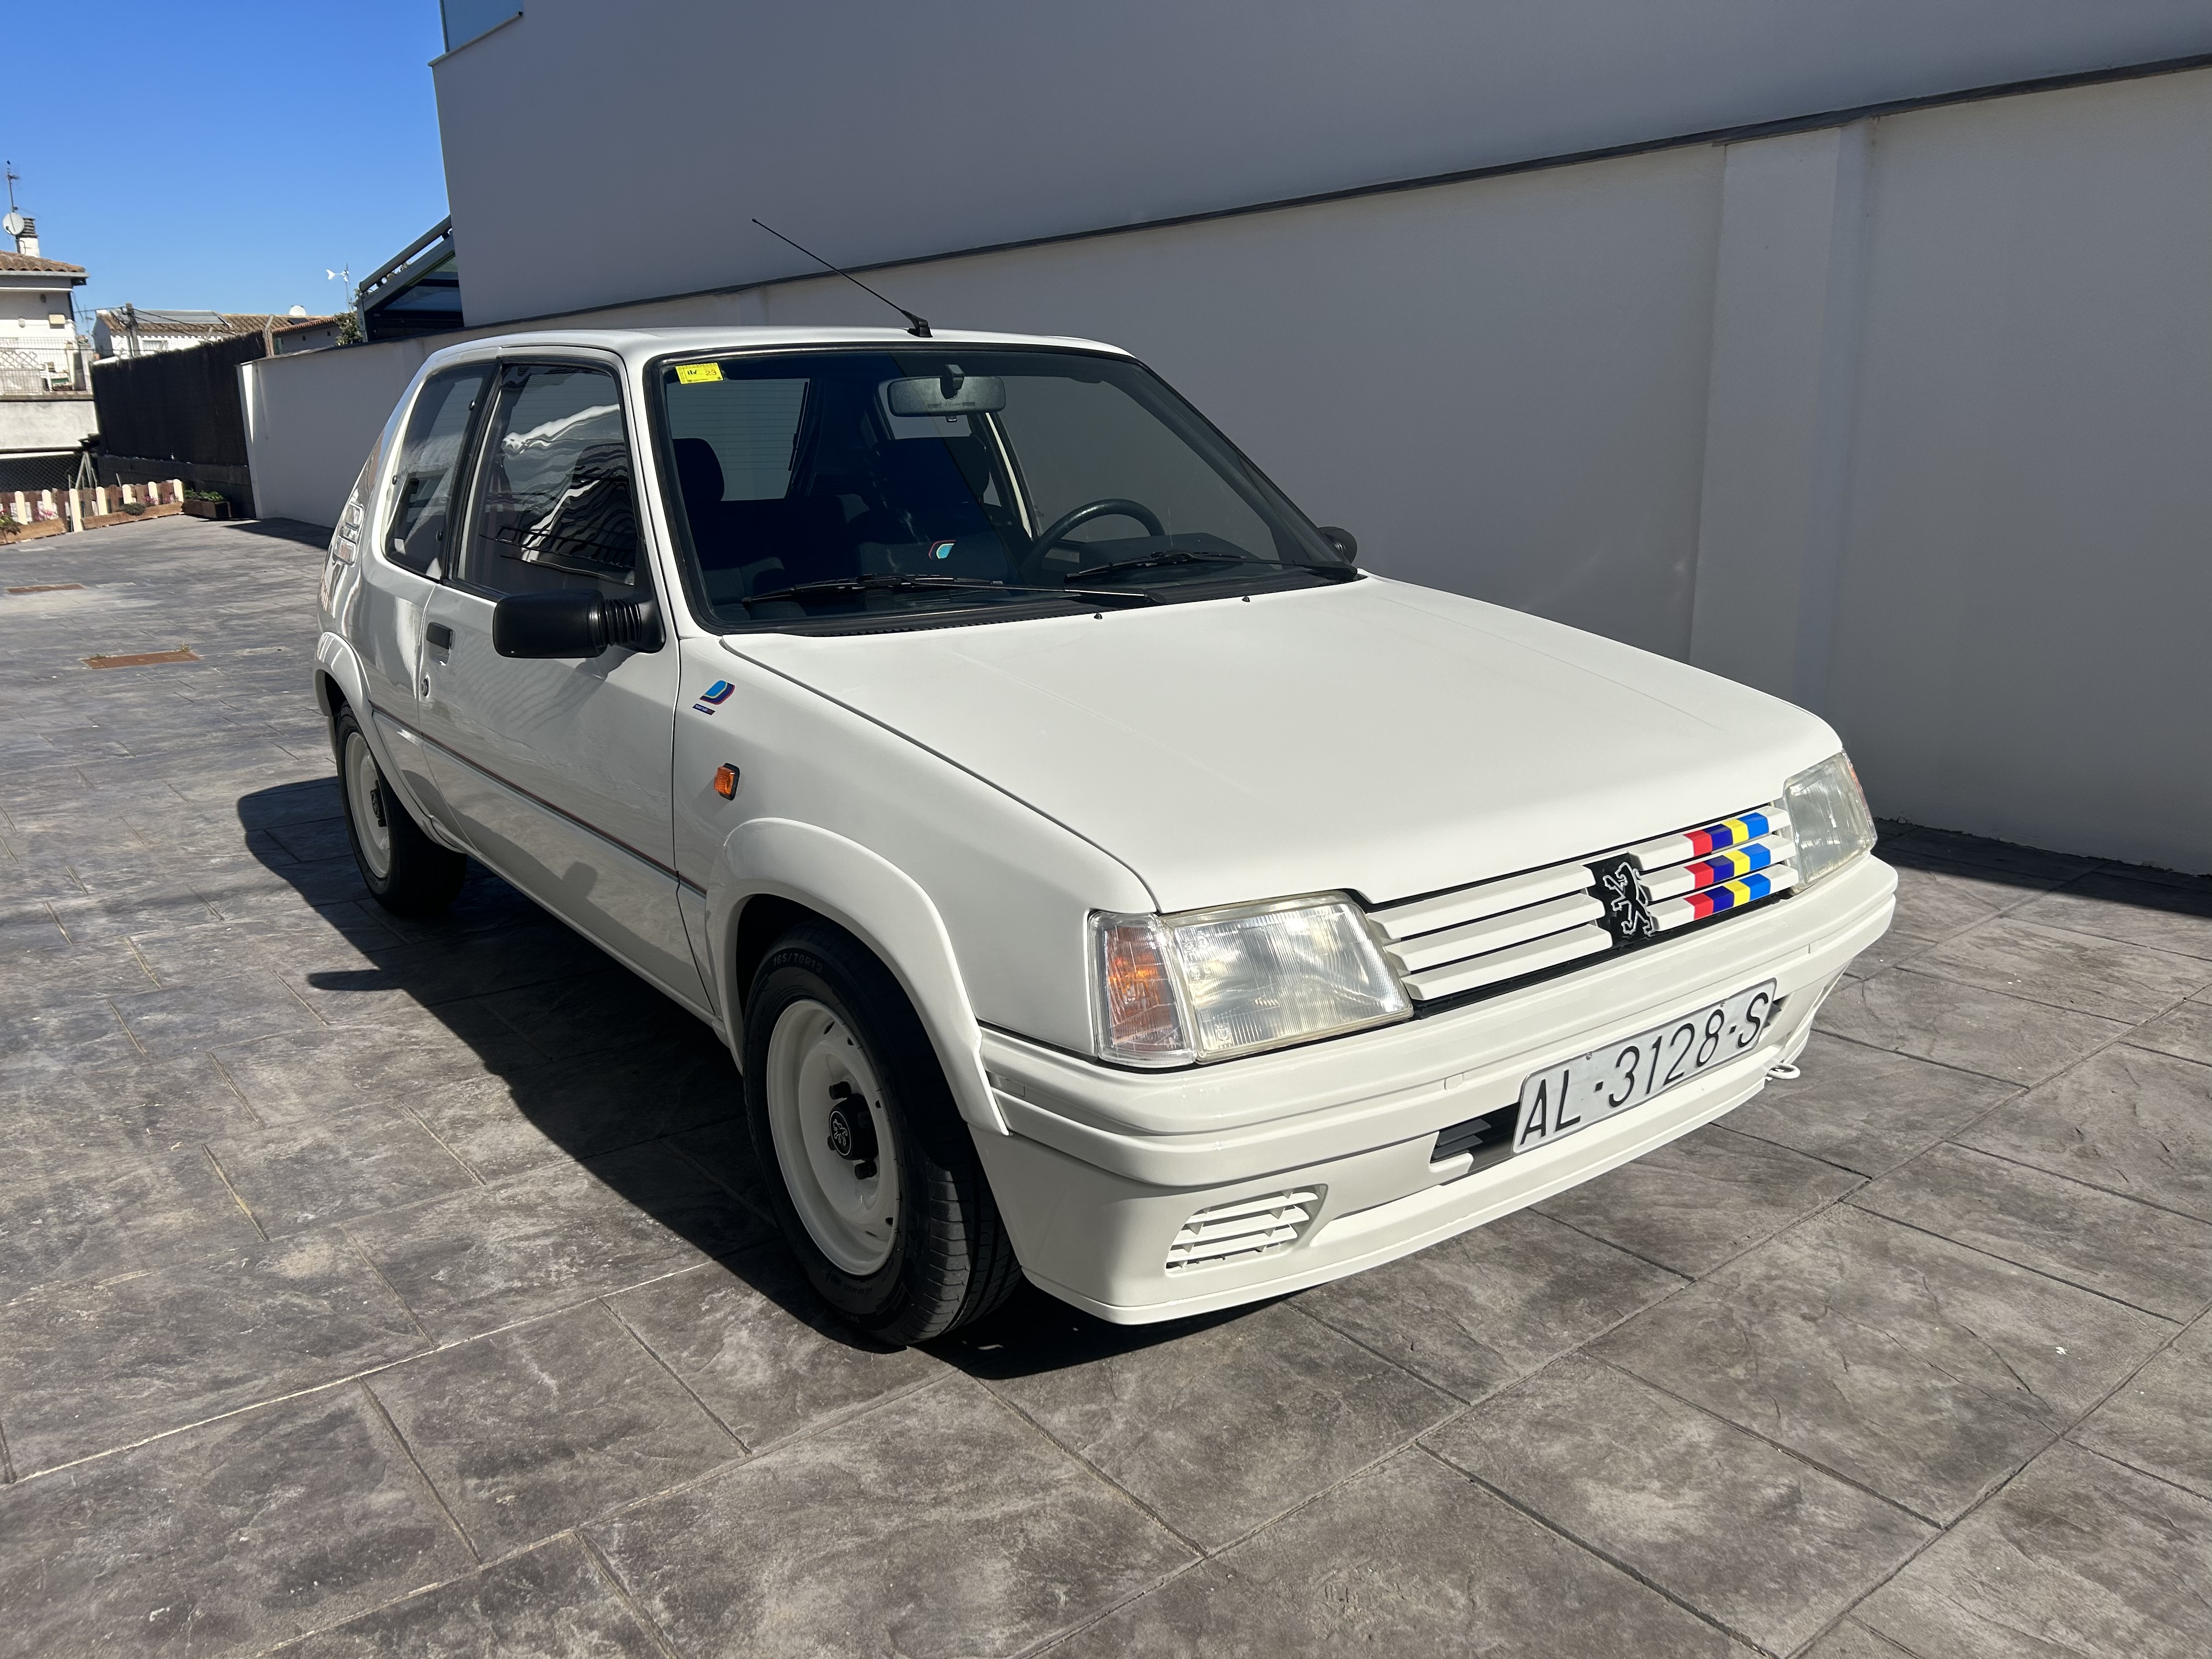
(221, 155)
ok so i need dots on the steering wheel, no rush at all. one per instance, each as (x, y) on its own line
(1108, 507)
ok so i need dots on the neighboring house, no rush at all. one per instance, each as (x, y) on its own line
(300, 332)
(45, 389)
(131, 330)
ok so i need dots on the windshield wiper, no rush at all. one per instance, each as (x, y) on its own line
(1173, 556)
(1340, 572)
(892, 581)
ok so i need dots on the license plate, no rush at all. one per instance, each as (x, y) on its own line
(1593, 1087)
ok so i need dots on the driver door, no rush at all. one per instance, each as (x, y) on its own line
(557, 771)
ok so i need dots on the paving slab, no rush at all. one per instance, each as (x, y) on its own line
(2161, 1421)
(1696, 1202)
(352, 1163)
(1935, 900)
(297, 1077)
(2079, 1555)
(1867, 1110)
(1974, 1030)
(938, 1524)
(760, 1350)
(223, 1539)
(65, 1219)
(2148, 1258)
(1216, 1425)
(1760, 1541)
(526, 1116)
(2129, 1120)
(552, 1237)
(2080, 971)
(2157, 914)
(2185, 1030)
(1412, 1559)
(526, 1433)
(552, 1603)
(62, 1115)
(1921, 1369)
(1486, 1309)
(85, 1369)
(213, 1014)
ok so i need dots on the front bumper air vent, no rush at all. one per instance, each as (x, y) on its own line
(1251, 1227)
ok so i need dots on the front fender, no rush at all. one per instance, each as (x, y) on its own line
(880, 905)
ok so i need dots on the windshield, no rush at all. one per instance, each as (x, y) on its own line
(859, 486)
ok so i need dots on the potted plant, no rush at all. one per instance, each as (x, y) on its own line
(206, 504)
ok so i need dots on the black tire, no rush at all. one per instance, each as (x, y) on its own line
(950, 1260)
(419, 877)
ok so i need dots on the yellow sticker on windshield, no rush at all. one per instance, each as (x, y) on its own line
(695, 374)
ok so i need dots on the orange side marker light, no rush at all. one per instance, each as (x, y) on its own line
(726, 781)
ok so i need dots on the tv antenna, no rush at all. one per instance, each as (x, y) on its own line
(14, 222)
(919, 327)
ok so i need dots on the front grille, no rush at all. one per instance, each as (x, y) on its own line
(1449, 944)
(1251, 1227)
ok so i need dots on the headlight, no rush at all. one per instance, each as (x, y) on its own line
(1828, 818)
(1212, 984)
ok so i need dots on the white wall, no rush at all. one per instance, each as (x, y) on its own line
(2026, 574)
(1905, 420)
(311, 417)
(596, 153)
(46, 423)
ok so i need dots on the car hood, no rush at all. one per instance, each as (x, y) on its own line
(1376, 737)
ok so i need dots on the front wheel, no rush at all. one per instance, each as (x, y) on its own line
(880, 1194)
(405, 871)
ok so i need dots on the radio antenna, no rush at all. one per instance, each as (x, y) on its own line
(919, 327)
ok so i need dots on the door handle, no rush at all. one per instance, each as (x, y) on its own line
(440, 635)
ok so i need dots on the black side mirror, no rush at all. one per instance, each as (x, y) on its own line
(1342, 540)
(571, 622)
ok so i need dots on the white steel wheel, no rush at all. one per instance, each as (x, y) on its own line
(833, 1138)
(365, 800)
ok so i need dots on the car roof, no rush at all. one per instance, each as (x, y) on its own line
(638, 345)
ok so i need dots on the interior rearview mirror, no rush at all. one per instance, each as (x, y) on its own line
(946, 394)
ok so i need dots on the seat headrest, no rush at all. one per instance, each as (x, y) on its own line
(698, 472)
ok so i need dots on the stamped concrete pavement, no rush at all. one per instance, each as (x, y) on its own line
(373, 1287)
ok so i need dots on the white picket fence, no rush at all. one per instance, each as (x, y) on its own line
(77, 507)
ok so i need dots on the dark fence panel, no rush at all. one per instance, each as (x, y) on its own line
(176, 405)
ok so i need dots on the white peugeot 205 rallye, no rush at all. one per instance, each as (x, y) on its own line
(1098, 877)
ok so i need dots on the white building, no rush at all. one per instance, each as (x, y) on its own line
(45, 389)
(133, 331)
(1855, 350)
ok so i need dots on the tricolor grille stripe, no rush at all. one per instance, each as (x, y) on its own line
(1728, 832)
(1725, 866)
(1729, 894)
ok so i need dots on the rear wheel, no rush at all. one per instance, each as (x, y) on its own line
(405, 871)
(879, 1192)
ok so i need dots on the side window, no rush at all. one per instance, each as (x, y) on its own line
(554, 505)
(430, 454)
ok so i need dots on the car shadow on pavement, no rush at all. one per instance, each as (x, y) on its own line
(571, 1058)
(575, 1059)
(289, 530)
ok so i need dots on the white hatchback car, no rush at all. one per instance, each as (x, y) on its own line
(1098, 877)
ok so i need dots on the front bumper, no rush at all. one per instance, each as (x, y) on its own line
(1103, 1167)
